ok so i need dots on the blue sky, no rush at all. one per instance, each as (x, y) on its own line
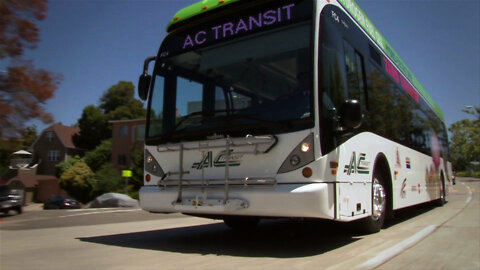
(94, 44)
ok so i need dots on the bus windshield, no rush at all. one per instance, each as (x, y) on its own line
(253, 85)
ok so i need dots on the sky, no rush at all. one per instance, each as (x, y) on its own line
(94, 44)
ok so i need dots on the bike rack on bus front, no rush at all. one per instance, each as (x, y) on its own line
(254, 145)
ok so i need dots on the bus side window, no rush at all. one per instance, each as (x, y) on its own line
(355, 74)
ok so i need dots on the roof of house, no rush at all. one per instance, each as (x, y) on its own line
(64, 133)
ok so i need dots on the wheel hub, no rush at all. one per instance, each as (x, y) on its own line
(379, 202)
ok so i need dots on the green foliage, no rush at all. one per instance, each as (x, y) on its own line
(7, 147)
(119, 102)
(468, 174)
(465, 140)
(10, 145)
(99, 156)
(65, 165)
(136, 182)
(93, 128)
(78, 181)
(108, 180)
(29, 136)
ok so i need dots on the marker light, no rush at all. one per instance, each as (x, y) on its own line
(148, 177)
(307, 172)
(152, 166)
(305, 147)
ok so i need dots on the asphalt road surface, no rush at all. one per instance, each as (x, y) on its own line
(424, 237)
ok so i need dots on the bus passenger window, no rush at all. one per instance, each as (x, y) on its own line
(355, 74)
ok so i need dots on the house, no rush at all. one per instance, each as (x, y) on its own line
(127, 136)
(53, 146)
(34, 187)
(34, 175)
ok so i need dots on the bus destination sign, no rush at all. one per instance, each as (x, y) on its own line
(242, 25)
(247, 22)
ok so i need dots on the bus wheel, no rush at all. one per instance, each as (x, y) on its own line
(241, 223)
(374, 223)
(441, 186)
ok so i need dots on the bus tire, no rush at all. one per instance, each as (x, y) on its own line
(441, 186)
(241, 223)
(374, 223)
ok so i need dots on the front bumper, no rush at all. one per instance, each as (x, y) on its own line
(315, 200)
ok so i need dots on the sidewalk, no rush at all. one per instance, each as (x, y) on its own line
(33, 207)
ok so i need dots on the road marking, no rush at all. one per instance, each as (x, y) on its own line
(395, 250)
(389, 253)
(101, 212)
(470, 194)
(91, 209)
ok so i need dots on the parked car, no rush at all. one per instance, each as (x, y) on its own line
(112, 200)
(10, 200)
(61, 202)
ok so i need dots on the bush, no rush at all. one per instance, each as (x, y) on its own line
(468, 174)
(108, 180)
(78, 181)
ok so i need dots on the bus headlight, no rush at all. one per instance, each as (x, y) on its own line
(300, 156)
(152, 166)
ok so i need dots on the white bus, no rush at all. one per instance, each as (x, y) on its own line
(292, 108)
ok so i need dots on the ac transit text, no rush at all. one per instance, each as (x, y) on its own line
(233, 28)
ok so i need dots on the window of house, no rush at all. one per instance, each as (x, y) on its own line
(124, 131)
(139, 133)
(54, 155)
(122, 160)
(50, 135)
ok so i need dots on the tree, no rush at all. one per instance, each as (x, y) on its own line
(136, 182)
(465, 140)
(10, 145)
(78, 181)
(93, 128)
(119, 103)
(29, 135)
(99, 156)
(65, 165)
(108, 180)
(23, 89)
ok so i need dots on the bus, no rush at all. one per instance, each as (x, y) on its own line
(287, 108)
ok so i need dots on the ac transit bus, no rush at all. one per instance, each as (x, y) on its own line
(287, 108)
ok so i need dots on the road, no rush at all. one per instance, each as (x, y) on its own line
(425, 237)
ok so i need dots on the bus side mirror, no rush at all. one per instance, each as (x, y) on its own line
(351, 114)
(144, 80)
(143, 84)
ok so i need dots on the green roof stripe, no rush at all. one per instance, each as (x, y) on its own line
(354, 9)
(196, 9)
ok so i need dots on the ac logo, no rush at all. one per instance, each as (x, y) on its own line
(359, 166)
(219, 161)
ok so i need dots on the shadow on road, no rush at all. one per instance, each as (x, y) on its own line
(273, 238)
(405, 214)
